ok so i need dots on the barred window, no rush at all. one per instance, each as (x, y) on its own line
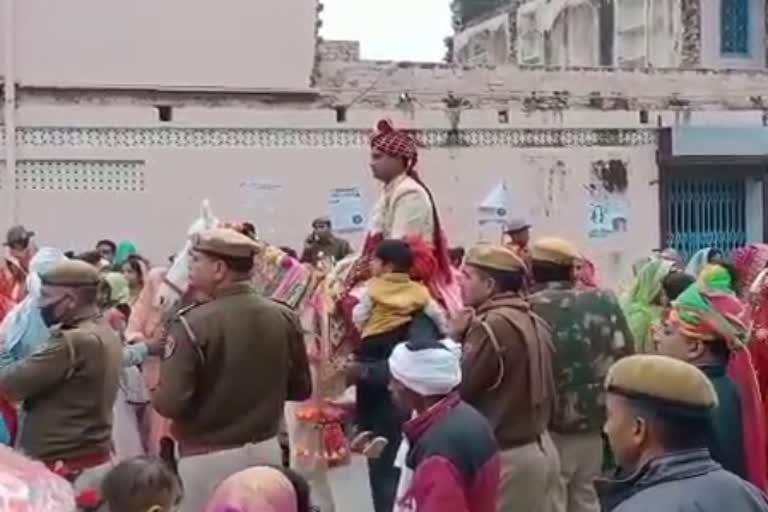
(734, 27)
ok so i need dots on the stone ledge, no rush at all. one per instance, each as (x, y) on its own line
(381, 83)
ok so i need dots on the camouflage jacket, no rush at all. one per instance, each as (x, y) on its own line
(590, 333)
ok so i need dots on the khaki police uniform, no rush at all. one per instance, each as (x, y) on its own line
(229, 367)
(69, 387)
(507, 375)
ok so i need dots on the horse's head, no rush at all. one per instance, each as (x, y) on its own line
(176, 282)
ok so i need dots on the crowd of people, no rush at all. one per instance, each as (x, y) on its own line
(500, 377)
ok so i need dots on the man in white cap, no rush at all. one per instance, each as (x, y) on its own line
(453, 452)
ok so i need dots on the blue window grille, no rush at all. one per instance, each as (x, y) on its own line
(734, 27)
(706, 212)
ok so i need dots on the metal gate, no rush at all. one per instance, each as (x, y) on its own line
(706, 212)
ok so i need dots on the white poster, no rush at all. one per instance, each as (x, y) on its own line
(347, 210)
(261, 198)
(495, 207)
(257, 192)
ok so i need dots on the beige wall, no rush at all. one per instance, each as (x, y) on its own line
(183, 43)
(145, 181)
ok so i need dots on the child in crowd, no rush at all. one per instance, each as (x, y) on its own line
(142, 484)
(388, 305)
(391, 298)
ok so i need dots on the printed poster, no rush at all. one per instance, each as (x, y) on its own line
(259, 192)
(607, 217)
(347, 210)
(260, 199)
(495, 207)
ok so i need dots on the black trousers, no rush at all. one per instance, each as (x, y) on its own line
(377, 413)
(384, 476)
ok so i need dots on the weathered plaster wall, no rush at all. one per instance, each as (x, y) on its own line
(379, 84)
(173, 43)
(346, 51)
(104, 180)
(101, 161)
(484, 42)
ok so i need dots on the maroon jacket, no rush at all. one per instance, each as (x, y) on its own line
(455, 459)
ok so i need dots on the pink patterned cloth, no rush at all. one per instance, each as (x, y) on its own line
(742, 370)
(28, 486)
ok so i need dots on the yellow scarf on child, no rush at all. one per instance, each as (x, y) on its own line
(395, 299)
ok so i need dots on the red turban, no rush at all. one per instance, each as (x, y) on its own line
(395, 143)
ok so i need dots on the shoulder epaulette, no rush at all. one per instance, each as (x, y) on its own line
(186, 309)
(280, 302)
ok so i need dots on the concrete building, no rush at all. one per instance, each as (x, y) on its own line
(120, 125)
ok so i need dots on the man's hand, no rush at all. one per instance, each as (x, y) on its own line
(354, 372)
(156, 347)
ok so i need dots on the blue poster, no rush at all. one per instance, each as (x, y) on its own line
(347, 210)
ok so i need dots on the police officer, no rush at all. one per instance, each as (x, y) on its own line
(229, 366)
(69, 386)
(590, 333)
(322, 243)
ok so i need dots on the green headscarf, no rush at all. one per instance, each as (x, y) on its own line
(709, 310)
(124, 250)
(716, 277)
(639, 303)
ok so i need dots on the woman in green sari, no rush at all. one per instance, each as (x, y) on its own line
(641, 303)
(125, 249)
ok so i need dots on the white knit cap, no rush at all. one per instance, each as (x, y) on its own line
(429, 370)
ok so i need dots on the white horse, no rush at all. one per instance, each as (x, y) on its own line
(176, 282)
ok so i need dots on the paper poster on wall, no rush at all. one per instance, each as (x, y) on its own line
(261, 198)
(347, 209)
(607, 218)
(259, 192)
(494, 209)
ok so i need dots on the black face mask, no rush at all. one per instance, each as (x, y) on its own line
(48, 313)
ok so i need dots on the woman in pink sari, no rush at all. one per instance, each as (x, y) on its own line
(750, 263)
(147, 323)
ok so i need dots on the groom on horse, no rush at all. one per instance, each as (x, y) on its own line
(405, 211)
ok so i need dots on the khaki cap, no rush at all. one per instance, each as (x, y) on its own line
(18, 235)
(661, 378)
(516, 226)
(554, 250)
(72, 274)
(494, 257)
(225, 243)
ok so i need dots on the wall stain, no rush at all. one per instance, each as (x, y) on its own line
(610, 176)
(554, 187)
